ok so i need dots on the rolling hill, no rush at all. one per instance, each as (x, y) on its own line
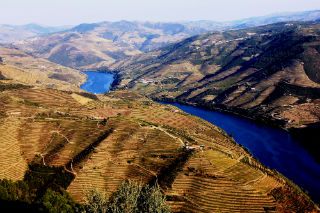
(19, 67)
(89, 46)
(101, 140)
(269, 73)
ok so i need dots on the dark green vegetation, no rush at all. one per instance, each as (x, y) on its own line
(4, 87)
(130, 197)
(42, 190)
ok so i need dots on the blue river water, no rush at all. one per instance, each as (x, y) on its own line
(97, 82)
(273, 147)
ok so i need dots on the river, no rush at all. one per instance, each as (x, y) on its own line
(97, 82)
(273, 147)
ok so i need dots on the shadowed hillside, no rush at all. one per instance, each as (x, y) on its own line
(270, 72)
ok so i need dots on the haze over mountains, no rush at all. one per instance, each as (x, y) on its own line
(11, 33)
(95, 45)
(89, 46)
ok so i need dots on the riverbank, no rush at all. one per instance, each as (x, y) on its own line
(307, 137)
(272, 146)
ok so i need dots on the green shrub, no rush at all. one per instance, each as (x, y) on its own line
(130, 197)
(96, 201)
(151, 199)
(40, 191)
(125, 199)
(54, 202)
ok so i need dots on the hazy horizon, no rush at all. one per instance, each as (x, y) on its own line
(72, 12)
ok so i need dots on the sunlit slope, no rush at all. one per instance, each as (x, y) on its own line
(89, 46)
(123, 135)
(24, 68)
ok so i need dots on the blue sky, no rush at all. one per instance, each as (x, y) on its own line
(72, 12)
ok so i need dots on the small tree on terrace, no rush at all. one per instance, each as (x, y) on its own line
(130, 197)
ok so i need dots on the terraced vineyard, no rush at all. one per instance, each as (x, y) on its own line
(122, 135)
(226, 188)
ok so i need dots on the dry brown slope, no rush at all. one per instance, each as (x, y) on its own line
(24, 68)
(138, 139)
(89, 46)
(270, 71)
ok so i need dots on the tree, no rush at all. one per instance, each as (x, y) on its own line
(58, 202)
(151, 199)
(130, 197)
(96, 201)
(125, 199)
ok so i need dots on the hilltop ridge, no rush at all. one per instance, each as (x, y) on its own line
(97, 45)
(11, 33)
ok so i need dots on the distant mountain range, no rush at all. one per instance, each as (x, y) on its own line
(11, 33)
(88, 46)
(271, 70)
(274, 18)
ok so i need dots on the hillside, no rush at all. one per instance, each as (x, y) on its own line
(270, 72)
(97, 45)
(19, 67)
(103, 140)
(88, 46)
(11, 33)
